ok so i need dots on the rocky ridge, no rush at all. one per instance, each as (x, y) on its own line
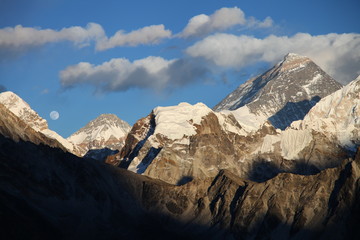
(22, 110)
(102, 201)
(180, 143)
(11, 126)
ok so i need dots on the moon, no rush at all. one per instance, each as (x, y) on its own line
(54, 115)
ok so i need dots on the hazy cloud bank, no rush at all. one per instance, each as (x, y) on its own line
(337, 54)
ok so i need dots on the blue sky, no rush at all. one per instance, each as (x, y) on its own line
(85, 58)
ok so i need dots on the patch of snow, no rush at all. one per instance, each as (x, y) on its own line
(312, 82)
(268, 143)
(227, 126)
(293, 142)
(249, 121)
(53, 135)
(176, 122)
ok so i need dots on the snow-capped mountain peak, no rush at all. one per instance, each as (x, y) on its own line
(107, 130)
(283, 94)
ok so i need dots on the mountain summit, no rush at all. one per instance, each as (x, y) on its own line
(284, 93)
(106, 131)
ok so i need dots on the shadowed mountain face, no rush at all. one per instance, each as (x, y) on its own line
(49, 194)
(294, 111)
(296, 80)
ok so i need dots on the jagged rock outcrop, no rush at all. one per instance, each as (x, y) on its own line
(106, 131)
(47, 193)
(283, 94)
(22, 110)
(184, 142)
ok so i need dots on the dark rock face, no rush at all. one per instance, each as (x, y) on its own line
(100, 154)
(47, 193)
(283, 94)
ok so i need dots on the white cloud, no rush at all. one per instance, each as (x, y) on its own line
(120, 74)
(148, 35)
(337, 54)
(24, 37)
(21, 38)
(221, 20)
(254, 23)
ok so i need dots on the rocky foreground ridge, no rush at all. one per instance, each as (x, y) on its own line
(51, 194)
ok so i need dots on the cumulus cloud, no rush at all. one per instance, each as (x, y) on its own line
(220, 20)
(337, 54)
(21, 38)
(120, 74)
(24, 37)
(148, 35)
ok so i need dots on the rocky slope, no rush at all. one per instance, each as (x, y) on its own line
(283, 94)
(22, 110)
(184, 142)
(49, 194)
(106, 131)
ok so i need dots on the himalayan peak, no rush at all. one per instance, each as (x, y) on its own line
(106, 131)
(283, 94)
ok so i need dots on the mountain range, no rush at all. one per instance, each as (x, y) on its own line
(277, 158)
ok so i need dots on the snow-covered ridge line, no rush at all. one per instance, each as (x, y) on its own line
(23, 110)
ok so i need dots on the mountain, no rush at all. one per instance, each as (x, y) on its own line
(23, 111)
(106, 131)
(179, 143)
(337, 116)
(50, 194)
(11, 126)
(283, 94)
